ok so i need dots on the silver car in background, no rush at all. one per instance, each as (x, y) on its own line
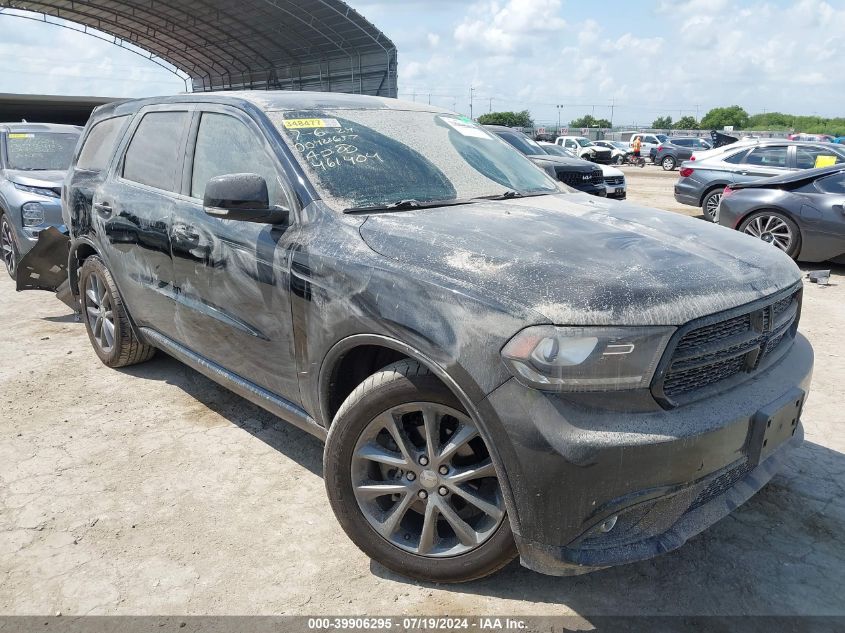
(33, 160)
(702, 181)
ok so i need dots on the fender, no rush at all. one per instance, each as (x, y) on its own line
(355, 340)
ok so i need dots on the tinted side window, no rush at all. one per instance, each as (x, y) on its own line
(809, 157)
(153, 154)
(737, 158)
(683, 142)
(767, 156)
(227, 146)
(100, 143)
(832, 184)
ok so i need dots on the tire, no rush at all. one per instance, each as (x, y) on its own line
(8, 249)
(357, 434)
(102, 305)
(668, 163)
(774, 228)
(619, 160)
(710, 203)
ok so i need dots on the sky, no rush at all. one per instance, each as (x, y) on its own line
(633, 61)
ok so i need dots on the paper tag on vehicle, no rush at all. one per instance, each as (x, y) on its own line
(297, 124)
(467, 128)
(20, 135)
(825, 161)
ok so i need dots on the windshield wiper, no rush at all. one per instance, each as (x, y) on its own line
(404, 205)
(510, 194)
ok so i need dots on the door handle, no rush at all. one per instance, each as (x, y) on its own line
(103, 208)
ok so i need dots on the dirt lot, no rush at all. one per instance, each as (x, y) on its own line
(151, 491)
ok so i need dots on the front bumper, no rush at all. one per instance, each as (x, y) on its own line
(593, 189)
(665, 475)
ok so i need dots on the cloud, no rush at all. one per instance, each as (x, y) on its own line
(508, 28)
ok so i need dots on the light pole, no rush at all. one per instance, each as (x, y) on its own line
(471, 91)
(558, 118)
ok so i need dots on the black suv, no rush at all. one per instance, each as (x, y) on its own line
(573, 172)
(497, 366)
(673, 151)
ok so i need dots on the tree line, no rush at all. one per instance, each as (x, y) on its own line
(715, 119)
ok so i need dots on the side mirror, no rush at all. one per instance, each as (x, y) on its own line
(241, 197)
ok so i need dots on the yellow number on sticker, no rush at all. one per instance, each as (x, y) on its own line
(293, 124)
(824, 161)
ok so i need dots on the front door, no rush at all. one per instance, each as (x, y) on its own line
(233, 278)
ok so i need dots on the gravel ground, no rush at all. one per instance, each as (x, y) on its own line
(153, 491)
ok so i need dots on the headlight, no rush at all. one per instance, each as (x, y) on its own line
(553, 358)
(33, 214)
(40, 191)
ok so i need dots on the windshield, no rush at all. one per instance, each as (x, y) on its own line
(584, 142)
(619, 145)
(380, 157)
(40, 150)
(523, 143)
(556, 150)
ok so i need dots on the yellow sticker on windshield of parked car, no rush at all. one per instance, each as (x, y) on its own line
(824, 161)
(20, 135)
(296, 124)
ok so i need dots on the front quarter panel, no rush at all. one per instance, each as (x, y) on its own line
(342, 288)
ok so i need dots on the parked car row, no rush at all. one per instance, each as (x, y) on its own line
(703, 179)
(499, 364)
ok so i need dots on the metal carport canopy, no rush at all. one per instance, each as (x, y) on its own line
(245, 44)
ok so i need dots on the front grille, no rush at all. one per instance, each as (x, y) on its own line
(575, 179)
(721, 350)
(721, 484)
(598, 177)
(615, 180)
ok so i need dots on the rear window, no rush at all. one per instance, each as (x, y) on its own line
(100, 143)
(832, 184)
(767, 157)
(153, 154)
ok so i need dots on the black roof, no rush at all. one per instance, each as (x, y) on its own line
(272, 101)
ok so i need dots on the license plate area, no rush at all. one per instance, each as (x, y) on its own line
(773, 425)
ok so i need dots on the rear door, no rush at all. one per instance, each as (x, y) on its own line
(132, 211)
(233, 278)
(763, 162)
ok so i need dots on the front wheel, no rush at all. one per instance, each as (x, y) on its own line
(7, 244)
(774, 228)
(411, 481)
(619, 160)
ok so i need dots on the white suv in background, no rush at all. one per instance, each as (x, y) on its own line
(649, 141)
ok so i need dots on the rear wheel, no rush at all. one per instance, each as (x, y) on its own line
(710, 204)
(106, 319)
(411, 481)
(7, 245)
(668, 163)
(774, 228)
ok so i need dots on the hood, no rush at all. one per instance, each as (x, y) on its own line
(581, 260)
(49, 178)
(609, 172)
(562, 161)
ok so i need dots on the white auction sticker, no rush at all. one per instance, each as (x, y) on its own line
(467, 128)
